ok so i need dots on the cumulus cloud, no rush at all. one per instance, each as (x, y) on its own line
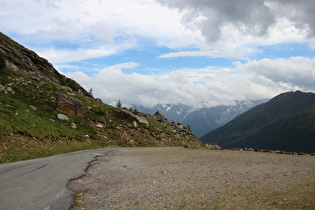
(60, 55)
(211, 54)
(85, 25)
(296, 71)
(254, 80)
(247, 21)
(64, 31)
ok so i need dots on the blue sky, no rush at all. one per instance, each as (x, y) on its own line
(172, 51)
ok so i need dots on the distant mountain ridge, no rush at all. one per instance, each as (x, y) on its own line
(174, 112)
(204, 120)
(286, 122)
(205, 117)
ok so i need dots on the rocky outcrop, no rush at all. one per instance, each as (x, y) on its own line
(68, 105)
(19, 58)
(26, 60)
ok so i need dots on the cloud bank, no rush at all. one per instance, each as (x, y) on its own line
(233, 44)
(236, 23)
(254, 80)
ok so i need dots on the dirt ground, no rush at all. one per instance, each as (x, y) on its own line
(179, 178)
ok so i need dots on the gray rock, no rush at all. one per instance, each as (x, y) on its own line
(80, 92)
(67, 88)
(99, 100)
(126, 115)
(12, 66)
(68, 105)
(2, 88)
(159, 114)
(36, 79)
(10, 90)
(11, 107)
(181, 126)
(62, 117)
(73, 125)
(33, 107)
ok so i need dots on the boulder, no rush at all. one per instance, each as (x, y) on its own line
(33, 107)
(66, 88)
(159, 114)
(62, 117)
(68, 105)
(126, 115)
(99, 125)
(99, 100)
(80, 92)
(181, 126)
(73, 125)
(9, 90)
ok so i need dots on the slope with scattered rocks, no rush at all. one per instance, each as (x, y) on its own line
(42, 113)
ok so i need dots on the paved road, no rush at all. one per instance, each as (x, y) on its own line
(41, 183)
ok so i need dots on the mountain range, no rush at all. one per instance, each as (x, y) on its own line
(203, 118)
(286, 122)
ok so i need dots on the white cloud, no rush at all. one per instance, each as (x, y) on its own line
(210, 53)
(59, 55)
(296, 71)
(235, 24)
(66, 30)
(99, 28)
(67, 55)
(254, 80)
(87, 26)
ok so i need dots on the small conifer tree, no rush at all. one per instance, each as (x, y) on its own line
(91, 91)
(118, 105)
(136, 111)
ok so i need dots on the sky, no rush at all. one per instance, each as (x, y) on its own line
(145, 52)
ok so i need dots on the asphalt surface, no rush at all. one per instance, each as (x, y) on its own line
(42, 183)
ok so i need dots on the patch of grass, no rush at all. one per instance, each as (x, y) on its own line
(21, 147)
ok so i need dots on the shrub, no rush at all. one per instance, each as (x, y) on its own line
(2, 61)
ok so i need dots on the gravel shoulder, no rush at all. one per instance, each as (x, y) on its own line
(179, 178)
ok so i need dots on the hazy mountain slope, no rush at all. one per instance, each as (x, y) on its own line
(43, 112)
(286, 122)
(205, 120)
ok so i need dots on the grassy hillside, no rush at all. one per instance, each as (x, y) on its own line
(29, 122)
